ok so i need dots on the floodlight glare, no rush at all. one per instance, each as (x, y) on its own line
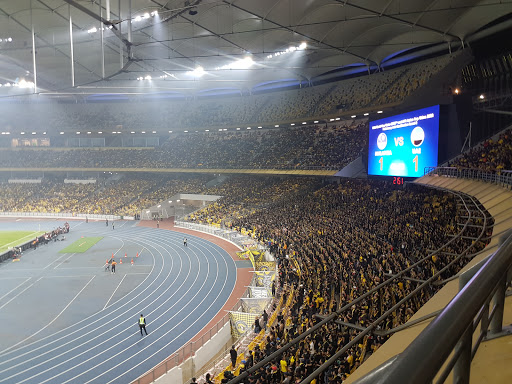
(197, 72)
(138, 18)
(146, 15)
(303, 45)
(154, 13)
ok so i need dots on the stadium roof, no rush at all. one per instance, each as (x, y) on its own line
(189, 46)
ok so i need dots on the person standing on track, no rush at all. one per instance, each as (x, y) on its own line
(113, 266)
(142, 324)
(185, 241)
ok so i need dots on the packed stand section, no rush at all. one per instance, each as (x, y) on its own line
(334, 244)
(304, 147)
(194, 112)
(126, 196)
(493, 155)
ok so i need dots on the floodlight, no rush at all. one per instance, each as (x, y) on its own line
(353, 116)
(154, 13)
(146, 15)
(292, 124)
(379, 111)
(276, 126)
(303, 45)
(33, 133)
(481, 97)
(366, 114)
(138, 18)
(315, 122)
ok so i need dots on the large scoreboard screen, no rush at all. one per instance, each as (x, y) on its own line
(403, 145)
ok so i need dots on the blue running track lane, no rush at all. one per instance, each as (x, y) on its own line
(73, 322)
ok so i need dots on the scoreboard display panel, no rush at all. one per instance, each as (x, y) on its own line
(403, 145)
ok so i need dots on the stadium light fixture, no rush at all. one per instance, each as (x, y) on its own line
(315, 122)
(481, 97)
(303, 45)
(62, 133)
(132, 132)
(276, 126)
(197, 72)
(44, 133)
(100, 132)
(331, 119)
(304, 123)
(170, 131)
(379, 111)
(33, 133)
(77, 132)
(292, 124)
(143, 132)
(248, 127)
(353, 116)
(185, 131)
(88, 133)
(365, 114)
(259, 127)
(238, 129)
(22, 133)
(207, 130)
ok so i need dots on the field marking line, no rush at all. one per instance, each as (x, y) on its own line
(15, 288)
(113, 293)
(57, 266)
(54, 261)
(56, 317)
(21, 238)
(21, 292)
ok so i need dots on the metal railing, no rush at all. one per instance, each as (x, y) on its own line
(502, 178)
(447, 340)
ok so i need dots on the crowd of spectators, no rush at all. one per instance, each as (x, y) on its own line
(193, 112)
(332, 245)
(331, 146)
(493, 155)
(126, 196)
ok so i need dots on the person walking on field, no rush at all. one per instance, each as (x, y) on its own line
(142, 324)
(113, 266)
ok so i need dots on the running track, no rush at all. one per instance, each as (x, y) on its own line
(184, 290)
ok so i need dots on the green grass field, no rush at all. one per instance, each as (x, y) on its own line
(9, 239)
(81, 245)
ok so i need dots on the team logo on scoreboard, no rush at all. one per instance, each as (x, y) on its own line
(382, 141)
(417, 136)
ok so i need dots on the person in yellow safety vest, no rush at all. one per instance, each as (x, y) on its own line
(142, 324)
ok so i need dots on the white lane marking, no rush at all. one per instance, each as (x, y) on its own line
(20, 292)
(19, 285)
(57, 266)
(54, 261)
(56, 317)
(113, 293)
(160, 244)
